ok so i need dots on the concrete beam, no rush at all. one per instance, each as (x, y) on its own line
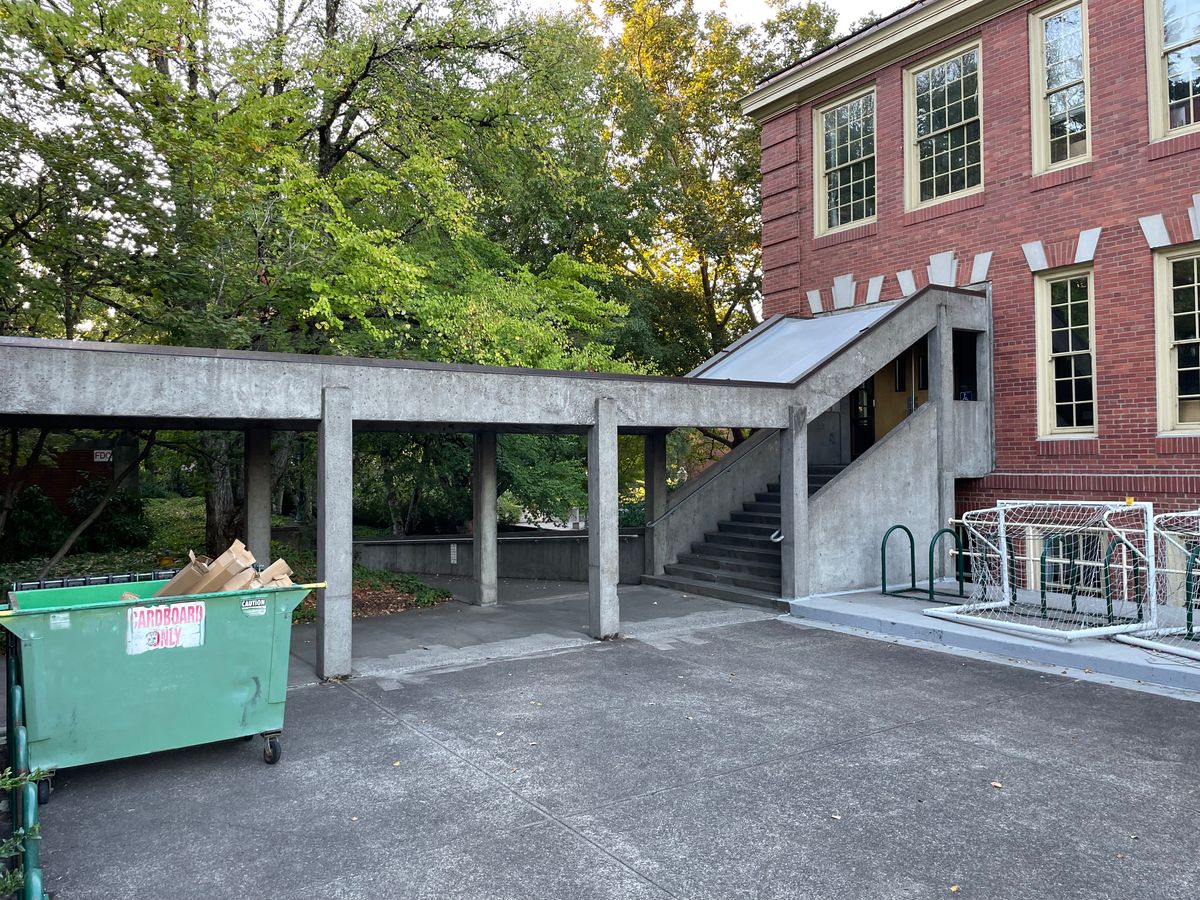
(335, 526)
(603, 534)
(483, 496)
(793, 488)
(657, 535)
(257, 493)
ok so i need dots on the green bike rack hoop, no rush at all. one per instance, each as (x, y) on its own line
(958, 553)
(912, 561)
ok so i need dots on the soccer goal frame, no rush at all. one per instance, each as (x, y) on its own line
(1013, 591)
(1177, 626)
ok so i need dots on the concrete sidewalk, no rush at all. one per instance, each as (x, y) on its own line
(750, 758)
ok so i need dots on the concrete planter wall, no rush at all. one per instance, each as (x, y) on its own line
(552, 557)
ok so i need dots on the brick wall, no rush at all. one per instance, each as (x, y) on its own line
(72, 468)
(1125, 180)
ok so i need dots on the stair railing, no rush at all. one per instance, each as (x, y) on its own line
(702, 480)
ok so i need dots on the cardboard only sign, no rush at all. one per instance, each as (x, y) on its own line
(163, 627)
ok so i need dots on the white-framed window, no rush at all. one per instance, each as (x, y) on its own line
(943, 127)
(844, 154)
(1059, 79)
(1173, 48)
(1177, 323)
(1066, 353)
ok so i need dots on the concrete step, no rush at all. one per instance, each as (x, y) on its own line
(756, 506)
(768, 497)
(721, 576)
(763, 518)
(828, 471)
(902, 617)
(731, 564)
(718, 591)
(773, 487)
(764, 529)
(750, 541)
(768, 553)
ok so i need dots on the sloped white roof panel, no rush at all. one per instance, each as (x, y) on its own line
(791, 348)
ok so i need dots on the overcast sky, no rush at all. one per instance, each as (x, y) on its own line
(756, 10)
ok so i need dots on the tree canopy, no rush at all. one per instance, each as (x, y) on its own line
(450, 180)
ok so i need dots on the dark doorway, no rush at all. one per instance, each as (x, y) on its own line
(862, 418)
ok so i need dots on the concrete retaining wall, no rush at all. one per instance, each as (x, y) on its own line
(544, 556)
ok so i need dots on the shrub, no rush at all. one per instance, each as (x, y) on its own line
(35, 526)
(121, 526)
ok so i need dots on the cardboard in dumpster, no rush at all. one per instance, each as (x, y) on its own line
(242, 581)
(233, 561)
(275, 571)
(232, 571)
(187, 578)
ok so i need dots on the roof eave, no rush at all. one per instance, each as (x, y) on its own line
(870, 50)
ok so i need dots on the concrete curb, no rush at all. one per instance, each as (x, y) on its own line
(902, 618)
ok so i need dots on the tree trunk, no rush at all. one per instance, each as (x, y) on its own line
(17, 473)
(281, 457)
(222, 517)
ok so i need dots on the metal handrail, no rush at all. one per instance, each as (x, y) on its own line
(729, 468)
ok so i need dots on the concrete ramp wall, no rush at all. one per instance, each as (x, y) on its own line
(895, 481)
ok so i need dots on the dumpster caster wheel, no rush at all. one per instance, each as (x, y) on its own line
(272, 752)
(43, 791)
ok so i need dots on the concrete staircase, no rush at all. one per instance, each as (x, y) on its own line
(739, 561)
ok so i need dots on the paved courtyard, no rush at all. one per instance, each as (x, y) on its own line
(718, 752)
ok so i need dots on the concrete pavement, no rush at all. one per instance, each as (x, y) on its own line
(714, 756)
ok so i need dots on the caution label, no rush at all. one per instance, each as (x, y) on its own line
(254, 606)
(163, 627)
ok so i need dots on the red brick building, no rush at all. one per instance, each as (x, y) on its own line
(1049, 150)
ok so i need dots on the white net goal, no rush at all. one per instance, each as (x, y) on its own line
(1061, 570)
(1177, 625)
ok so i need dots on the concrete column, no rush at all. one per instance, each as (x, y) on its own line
(257, 480)
(942, 391)
(483, 495)
(656, 502)
(335, 524)
(793, 488)
(603, 550)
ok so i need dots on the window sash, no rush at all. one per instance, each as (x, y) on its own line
(1062, 132)
(841, 177)
(1184, 310)
(1067, 345)
(946, 156)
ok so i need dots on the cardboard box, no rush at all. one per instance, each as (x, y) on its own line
(234, 560)
(275, 570)
(187, 578)
(242, 581)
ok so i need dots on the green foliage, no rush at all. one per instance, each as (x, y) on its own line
(304, 567)
(11, 876)
(176, 524)
(34, 526)
(122, 525)
(451, 181)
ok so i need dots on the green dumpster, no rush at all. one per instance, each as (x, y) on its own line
(100, 677)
